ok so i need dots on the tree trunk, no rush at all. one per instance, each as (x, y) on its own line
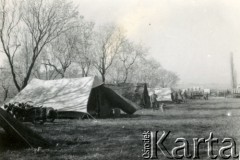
(103, 77)
(25, 82)
(13, 74)
(126, 76)
(83, 72)
(5, 94)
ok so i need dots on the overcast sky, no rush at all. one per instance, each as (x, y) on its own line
(193, 38)
(190, 37)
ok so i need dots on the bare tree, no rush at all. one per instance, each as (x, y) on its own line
(145, 70)
(45, 72)
(150, 71)
(125, 61)
(84, 47)
(23, 60)
(5, 76)
(41, 70)
(40, 21)
(10, 18)
(128, 57)
(167, 78)
(108, 41)
(61, 54)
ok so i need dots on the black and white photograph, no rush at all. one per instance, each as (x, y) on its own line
(119, 79)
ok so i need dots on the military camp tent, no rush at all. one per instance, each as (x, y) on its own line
(135, 92)
(206, 91)
(20, 133)
(78, 95)
(163, 94)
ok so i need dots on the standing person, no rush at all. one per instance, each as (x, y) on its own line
(176, 97)
(172, 97)
(184, 96)
(180, 96)
(162, 107)
(153, 100)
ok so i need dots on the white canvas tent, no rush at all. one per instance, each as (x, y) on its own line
(84, 95)
(206, 91)
(163, 94)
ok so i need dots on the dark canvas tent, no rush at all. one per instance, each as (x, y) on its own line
(137, 93)
(77, 95)
(19, 132)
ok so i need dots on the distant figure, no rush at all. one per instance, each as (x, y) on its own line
(180, 97)
(205, 96)
(176, 97)
(184, 96)
(153, 100)
(191, 95)
(162, 107)
(172, 96)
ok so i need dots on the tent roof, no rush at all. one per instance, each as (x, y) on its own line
(121, 102)
(61, 94)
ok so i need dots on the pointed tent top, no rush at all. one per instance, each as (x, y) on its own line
(97, 82)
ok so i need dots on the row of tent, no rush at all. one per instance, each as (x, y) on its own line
(71, 96)
(88, 95)
(74, 97)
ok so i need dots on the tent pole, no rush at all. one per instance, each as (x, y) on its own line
(92, 117)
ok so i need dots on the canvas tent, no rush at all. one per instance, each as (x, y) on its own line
(163, 94)
(20, 133)
(206, 91)
(77, 95)
(137, 93)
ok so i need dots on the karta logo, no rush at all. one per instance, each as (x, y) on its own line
(154, 146)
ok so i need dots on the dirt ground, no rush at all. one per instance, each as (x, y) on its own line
(121, 138)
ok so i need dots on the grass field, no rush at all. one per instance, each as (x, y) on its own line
(121, 138)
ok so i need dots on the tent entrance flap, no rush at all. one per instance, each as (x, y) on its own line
(103, 100)
(98, 104)
(118, 101)
(94, 102)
